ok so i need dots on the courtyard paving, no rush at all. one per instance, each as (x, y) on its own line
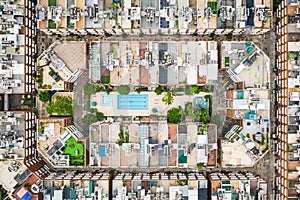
(154, 101)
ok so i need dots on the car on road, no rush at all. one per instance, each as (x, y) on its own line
(274, 136)
(276, 83)
(274, 152)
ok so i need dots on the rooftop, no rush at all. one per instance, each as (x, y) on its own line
(159, 185)
(245, 59)
(156, 14)
(61, 143)
(147, 145)
(12, 135)
(135, 63)
(12, 47)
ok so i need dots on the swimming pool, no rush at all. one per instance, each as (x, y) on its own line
(106, 100)
(133, 102)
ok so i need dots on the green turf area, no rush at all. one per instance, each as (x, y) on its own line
(227, 61)
(52, 2)
(75, 150)
(105, 79)
(51, 24)
(213, 6)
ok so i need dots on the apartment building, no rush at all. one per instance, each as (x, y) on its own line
(12, 135)
(151, 17)
(152, 144)
(149, 63)
(142, 186)
(60, 143)
(286, 99)
(160, 186)
(72, 185)
(237, 186)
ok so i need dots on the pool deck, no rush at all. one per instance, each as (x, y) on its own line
(154, 101)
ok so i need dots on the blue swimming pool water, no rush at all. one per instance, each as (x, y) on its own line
(106, 100)
(133, 102)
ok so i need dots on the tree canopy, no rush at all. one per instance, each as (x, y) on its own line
(89, 119)
(158, 90)
(196, 114)
(45, 96)
(90, 88)
(123, 89)
(168, 99)
(202, 115)
(174, 115)
(62, 105)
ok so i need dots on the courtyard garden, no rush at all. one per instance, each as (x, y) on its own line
(61, 106)
(75, 150)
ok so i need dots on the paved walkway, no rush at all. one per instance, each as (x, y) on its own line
(80, 104)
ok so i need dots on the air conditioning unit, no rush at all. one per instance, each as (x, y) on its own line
(258, 86)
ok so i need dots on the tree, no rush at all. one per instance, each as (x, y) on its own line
(89, 119)
(99, 115)
(168, 99)
(159, 90)
(90, 88)
(62, 105)
(190, 111)
(202, 115)
(174, 115)
(45, 96)
(123, 90)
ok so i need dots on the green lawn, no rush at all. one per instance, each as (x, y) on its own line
(51, 24)
(213, 6)
(75, 150)
(105, 79)
(52, 2)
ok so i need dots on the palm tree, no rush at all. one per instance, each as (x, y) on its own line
(168, 98)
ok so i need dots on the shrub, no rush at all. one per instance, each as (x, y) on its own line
(200, 166)
(209, 98)
(205, 89)
(99, 115)
(138, 90)
(194, 89)
(108, 90)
